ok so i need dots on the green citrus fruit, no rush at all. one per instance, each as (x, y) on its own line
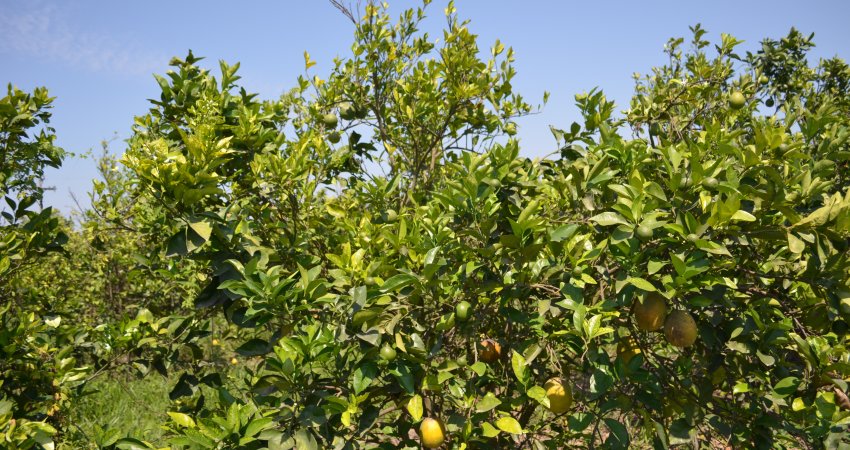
(347, 112)
(577, 272)
(510, 129)
(737, 100)
(334, 137)
(655, 129)
(329, 120)
(462, 311)
(710, 183)
(644, 232)
(388, 353)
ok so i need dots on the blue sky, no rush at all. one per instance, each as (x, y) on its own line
(97, 57)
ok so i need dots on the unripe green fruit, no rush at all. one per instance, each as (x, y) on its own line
(360, 112)
(346, 111)
(329, 120)
(644, 233)
(737, 100)
(334, 137)
(763, 79)
(655, 129)
(710, 183)
(769, 103)
(388, 353)
(510, 129)
(462, 311)
(392, 215)
(577, 272)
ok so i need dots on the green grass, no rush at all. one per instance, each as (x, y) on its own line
(133, 407)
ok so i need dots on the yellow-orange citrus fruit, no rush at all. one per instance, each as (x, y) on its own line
(651, 312)
(433, 432)
(560, 396)
(491, 351)
(680, 329)
(627, 349)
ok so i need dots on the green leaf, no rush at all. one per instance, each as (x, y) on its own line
(132, 444)
(254, 347)
(539, 394)
(520, 367)
(257, 425)
(202, 229)
(712, 247)
(642, 284)
(363, 376)
(509, 425)
(786, 386)
(304, 440)
(681, 432)
(609, 218)
(198, 438)
(397, 282)
(795, 244)
(619, 436)
(479, 368)
(415, 408)
(487, 403)
(563, 232)
(177, 244)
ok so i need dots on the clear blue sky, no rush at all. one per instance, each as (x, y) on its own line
(97, 57)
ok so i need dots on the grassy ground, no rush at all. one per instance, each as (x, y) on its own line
(133, 407)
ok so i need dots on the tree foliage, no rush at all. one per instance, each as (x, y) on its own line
(383, 255)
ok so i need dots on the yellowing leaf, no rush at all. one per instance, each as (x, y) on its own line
(489, 430)
(182, 419)
(414, 407)
(509, 425)
(308, 63)
(743, 216)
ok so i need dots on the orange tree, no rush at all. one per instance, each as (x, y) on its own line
(396, 275)
(37, 369)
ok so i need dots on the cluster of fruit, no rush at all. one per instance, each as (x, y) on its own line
(651, 314)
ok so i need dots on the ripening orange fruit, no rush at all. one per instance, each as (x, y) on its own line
(651, 312)
(680, 329)
(491, 351)
(433, 432)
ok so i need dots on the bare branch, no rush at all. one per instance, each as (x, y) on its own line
(346, 10)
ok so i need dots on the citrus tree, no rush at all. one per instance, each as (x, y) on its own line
(395, 275)
(36, 370)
